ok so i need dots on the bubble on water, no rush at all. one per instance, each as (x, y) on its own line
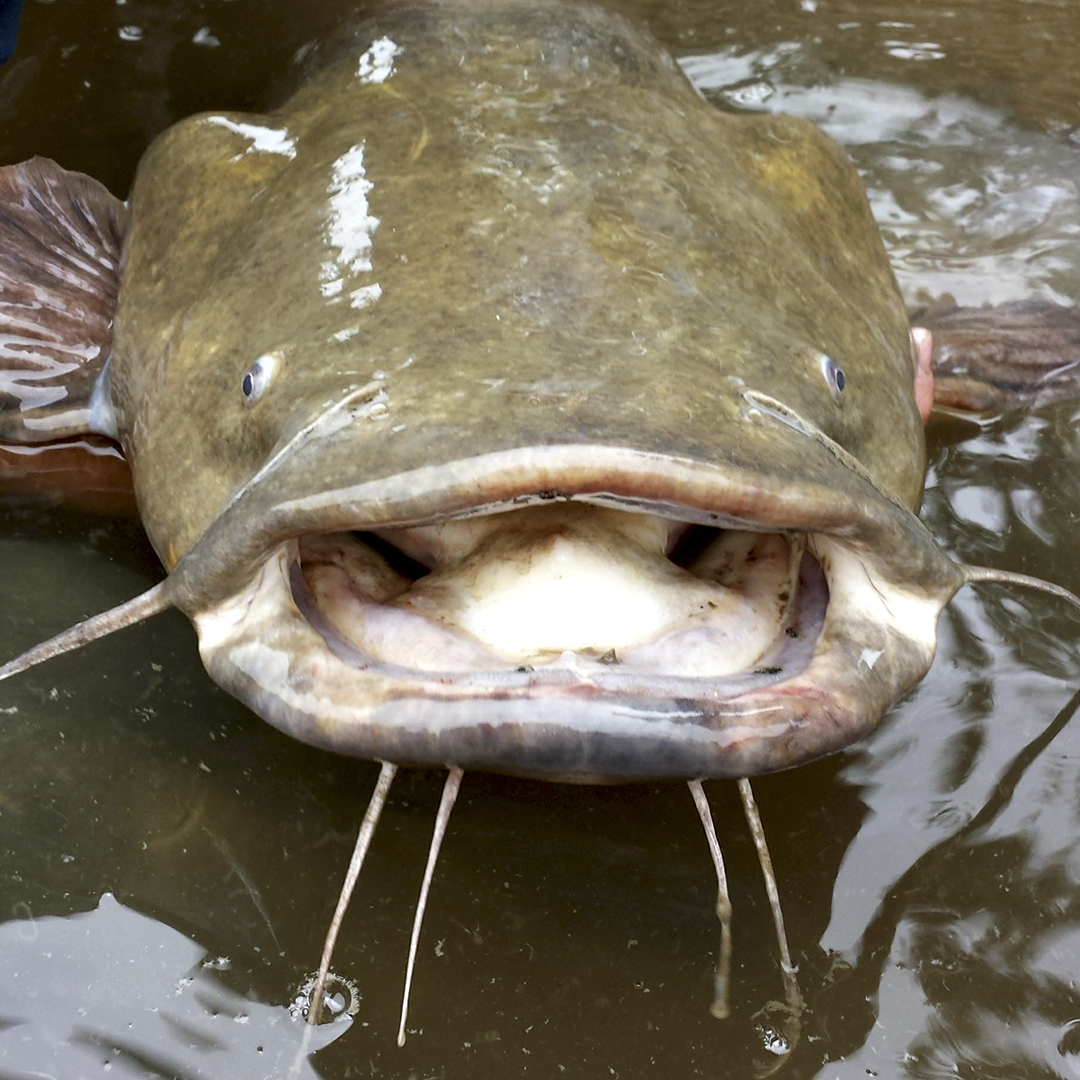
(341, 998)
(1069, 1043)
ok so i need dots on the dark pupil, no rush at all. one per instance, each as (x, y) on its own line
(248, 384)
(840, 380)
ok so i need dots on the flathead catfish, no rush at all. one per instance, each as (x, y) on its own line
(495, 402)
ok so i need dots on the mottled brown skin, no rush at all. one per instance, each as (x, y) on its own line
(635, 264)
(495, 253)
(86, 473)
(985, 359)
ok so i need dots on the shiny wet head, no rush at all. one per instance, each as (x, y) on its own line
(496, 401)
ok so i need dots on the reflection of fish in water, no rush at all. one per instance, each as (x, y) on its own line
(497, 403)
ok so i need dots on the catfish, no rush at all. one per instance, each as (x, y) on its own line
(494, 402)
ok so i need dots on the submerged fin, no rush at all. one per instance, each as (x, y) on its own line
(363, 842)
(721, 1006)
(442, 819)
(61, 235)
(989, 359)
(142, 607)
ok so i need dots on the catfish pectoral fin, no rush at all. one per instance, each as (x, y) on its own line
(61, 235)
(87, 472)
(139, 608)
(988, 359)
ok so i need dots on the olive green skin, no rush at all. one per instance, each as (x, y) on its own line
(487, 253)
(573, 249)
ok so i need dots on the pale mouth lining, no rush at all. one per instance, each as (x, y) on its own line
(622, 601)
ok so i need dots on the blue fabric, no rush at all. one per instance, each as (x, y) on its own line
(9, 26)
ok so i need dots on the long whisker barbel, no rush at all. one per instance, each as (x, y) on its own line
(791, 984)
(722, 982)
(721, 1006)
(442, 819)
(363, 842)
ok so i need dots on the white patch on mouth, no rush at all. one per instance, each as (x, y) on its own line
(377, 64)
(857, 591)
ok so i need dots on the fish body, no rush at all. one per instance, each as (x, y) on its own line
(493, 400)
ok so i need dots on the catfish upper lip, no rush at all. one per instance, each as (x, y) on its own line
(828, 497)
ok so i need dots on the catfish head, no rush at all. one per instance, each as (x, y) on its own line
(495, 401)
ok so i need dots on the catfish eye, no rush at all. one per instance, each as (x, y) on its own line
(257, 377)
(834, 375)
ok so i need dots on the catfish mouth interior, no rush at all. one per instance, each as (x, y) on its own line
(625, 600)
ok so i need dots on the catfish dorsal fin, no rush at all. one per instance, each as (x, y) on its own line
(61, 235)
(133, 611)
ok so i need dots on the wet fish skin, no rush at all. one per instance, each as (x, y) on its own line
(486, 256)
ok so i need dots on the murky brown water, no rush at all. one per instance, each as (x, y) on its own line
(930, 877)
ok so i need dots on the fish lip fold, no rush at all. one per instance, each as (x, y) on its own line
(279, 660)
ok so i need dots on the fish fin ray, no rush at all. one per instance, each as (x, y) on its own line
(993, 359)
(61, 235)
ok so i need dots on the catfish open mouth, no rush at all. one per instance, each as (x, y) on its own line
(624, 600)
(578, 636)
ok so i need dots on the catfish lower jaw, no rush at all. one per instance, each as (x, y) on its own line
(336, 646)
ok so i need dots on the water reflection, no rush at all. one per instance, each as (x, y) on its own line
(968, 204)
(156, 1005)
(972, 951)
(956, 946)
(929, 877)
